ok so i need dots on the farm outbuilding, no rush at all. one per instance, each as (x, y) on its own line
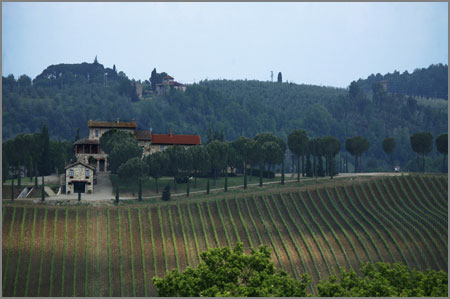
(79, 178)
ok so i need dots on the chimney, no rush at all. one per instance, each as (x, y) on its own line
(171, 132)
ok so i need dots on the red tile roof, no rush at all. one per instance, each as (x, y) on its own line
(143, 135)
(176, 139)
(167, 77)
(112, 124)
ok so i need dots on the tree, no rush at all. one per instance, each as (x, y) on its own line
(123, 152)
(385, 280)
(331, 147)
(272, 153)
(134, 169)
(255, 152)
(298, 145)
(218, 156)
(44, 162)
(156, 166)
(389, 147)
(356, 146)
(225, 272)
(200, 161)
(442, 147)
(120, 146)
(241, 145)
(166, 193)
(280, 78)
(112, 137)
(422, 143)
(176, 160)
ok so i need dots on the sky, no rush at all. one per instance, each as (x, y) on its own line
(328, 44)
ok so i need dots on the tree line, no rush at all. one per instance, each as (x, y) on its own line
(263, 152)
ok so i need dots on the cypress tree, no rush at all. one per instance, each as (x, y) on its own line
(166, 193)
(187, 188)
(140, 190)
(42, 189)
(226, 181)
(12, 189)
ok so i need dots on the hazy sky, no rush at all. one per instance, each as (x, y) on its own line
(314, 43)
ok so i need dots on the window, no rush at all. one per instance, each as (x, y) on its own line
(87, 174)
(96, 133)
(161, 147)
(71, 173)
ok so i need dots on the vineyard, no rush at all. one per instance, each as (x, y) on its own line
(91, 251)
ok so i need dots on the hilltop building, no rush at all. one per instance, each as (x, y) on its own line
(167, 83)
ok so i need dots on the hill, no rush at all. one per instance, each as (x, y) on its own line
(114, 251)
(431, 82)
(67, 96)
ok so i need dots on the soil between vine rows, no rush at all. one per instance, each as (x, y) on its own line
(95, 256)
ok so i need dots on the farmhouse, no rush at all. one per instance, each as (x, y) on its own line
(79, 178)
(167, 83)
(88, 150)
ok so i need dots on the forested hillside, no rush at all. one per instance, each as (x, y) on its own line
(67, 96)
(431, 82)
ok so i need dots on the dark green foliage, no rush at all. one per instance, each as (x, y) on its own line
(121, 150)
(298, 145)
(309, 170)
(236, 108)
(280, 78)
(422, 143)
(207, 186)
(12, 189)
(79, 196)
(132, 170)
(117, 193)
(431, 82)
(166, 193)
(218, 153)
(177, 158)
(157, 164)
(385, 280)
(42, 189)
(389, 147)
(356, 146)
(330, 147)
(201, 163)
(45, 167)
(442, 147)
(223, 272)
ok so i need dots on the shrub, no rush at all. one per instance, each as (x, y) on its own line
(166, 193)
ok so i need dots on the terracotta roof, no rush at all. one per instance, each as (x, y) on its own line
(176, 139)
(78, 162)
(87, 141)
(112, 124)
(167, 77)
(143, 135)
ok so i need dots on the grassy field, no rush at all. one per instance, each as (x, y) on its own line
(114, 251)
(127, 188)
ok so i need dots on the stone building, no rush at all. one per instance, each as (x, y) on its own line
(88, 150)
(79, 178)
(167, 83)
